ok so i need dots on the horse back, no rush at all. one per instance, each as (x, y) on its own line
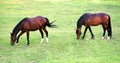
(96, 19)
(34, 23)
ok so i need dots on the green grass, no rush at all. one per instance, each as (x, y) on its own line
(63, 46)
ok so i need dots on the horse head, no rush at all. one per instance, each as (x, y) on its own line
(78, 32)
(13, 38)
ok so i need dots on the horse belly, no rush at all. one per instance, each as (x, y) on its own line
(31, 27)
(35, 27)
(95, 22)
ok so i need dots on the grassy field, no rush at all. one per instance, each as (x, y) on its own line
(63, 46)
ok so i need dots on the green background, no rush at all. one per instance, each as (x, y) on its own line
(63, 46)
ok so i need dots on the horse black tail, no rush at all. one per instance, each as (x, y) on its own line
(50, 24)
(109, 27)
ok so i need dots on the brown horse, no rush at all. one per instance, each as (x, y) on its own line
(88, 20)
(30, 24)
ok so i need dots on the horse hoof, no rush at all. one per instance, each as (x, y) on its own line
(108, 38)
(47, 42)
(17, 44)
(92, 38)
(82, 38)
(42, 40)
(103, 37)
(27, 45)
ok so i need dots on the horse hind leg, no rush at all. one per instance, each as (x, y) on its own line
(109, 36)
(104, 30)
(46, 32)
(41, 35)
(47, 40)
(109, 33)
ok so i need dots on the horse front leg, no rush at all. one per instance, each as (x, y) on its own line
(84, 32)
(21, 33)
(91, 33)
(27, 32)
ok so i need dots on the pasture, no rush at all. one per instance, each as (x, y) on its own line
(63, 46)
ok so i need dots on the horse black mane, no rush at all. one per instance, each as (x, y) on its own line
(81, 19)
(18, 25)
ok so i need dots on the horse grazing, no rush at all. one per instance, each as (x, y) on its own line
(88, 20)
(30, 24)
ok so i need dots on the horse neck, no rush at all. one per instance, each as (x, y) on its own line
(18, 27)
(79, 24)
(16, 30)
